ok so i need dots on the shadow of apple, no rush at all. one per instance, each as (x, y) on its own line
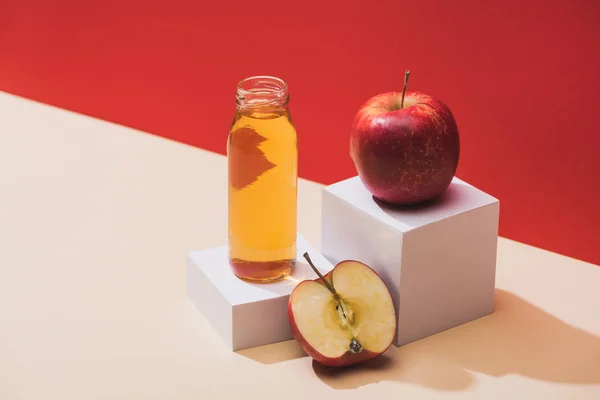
(396, 366)
(453, 198)
(518, 338)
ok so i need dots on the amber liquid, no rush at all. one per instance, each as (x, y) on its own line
(262, 161)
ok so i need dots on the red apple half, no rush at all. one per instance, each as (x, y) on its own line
(344, 318)
(405, 153)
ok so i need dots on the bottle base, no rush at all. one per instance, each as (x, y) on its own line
(262, 271)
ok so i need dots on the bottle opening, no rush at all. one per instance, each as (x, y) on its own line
(262, 92)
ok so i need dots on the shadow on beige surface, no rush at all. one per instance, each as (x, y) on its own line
(518, 338)
(274, 353)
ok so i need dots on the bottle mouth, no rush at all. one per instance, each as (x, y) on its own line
(262, 92)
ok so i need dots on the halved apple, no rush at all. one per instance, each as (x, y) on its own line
(345, 317)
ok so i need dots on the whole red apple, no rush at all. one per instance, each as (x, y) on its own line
(405, 146)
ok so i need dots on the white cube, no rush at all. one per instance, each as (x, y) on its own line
(246, 314)
(438, 259)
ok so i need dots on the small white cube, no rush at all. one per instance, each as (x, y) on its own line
(438, 259)
(246, 314)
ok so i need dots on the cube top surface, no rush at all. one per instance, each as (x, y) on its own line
(458, 198)
(214, 264)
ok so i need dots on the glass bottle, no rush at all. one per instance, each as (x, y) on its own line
(262, 155)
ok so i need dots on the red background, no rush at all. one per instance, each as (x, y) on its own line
(521, 78)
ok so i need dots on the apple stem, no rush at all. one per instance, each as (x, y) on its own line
(406, 75)
(321, 276)
(336, 296)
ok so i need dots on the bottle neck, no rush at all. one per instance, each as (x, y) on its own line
(262, 94)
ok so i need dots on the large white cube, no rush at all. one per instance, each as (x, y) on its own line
(438, 259)
(246, 314)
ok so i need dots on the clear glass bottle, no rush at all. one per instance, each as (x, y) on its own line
(262, 154)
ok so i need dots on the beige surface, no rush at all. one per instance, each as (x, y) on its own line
(95, 223)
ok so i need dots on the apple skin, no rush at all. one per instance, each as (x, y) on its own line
(405, 156)
(345, 360)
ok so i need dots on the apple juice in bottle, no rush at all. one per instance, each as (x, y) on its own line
(262, 156)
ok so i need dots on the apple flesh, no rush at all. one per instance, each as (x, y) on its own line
(405, 155)
(354, 322)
